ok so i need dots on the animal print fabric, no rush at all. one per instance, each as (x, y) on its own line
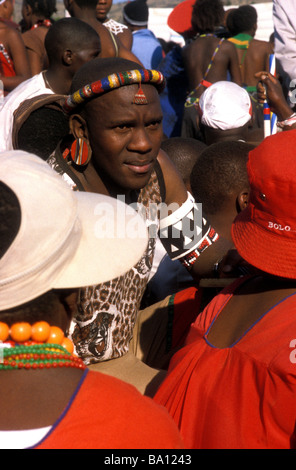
(103, 326)
(107, 312)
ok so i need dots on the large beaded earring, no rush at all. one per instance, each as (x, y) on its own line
(80, 152)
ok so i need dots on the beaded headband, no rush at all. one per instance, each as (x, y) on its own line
(113, 81)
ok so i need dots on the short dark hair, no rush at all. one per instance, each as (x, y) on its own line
(220, 170)
(42, 131)
(97, 69)
(68, 33)
(10, 217)
(242, 19)
(184, 152)
(42, 7)
(207, 15)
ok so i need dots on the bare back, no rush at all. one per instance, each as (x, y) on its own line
(197, 57)
(253, 60)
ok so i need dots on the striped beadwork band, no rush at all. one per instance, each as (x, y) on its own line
(111, 82)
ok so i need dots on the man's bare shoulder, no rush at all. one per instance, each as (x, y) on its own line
(264, 45)
(9, 30)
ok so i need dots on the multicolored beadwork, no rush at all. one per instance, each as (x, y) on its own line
(38, 356)
(111, 82)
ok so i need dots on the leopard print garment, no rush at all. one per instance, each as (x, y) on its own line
(107, 312)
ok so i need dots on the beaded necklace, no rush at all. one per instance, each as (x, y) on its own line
(39, 346)
(191, 99)
(46, 23)
(38, 356)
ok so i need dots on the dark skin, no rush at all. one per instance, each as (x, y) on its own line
(246, 306)
(102, 10)
(256, 58)
(197, 56)
(13, 43)
(60, 72)
(270, 88)
(108, 48)
(37, 64)
(36, 398)
(123, 140)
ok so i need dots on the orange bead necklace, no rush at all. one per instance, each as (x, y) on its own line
(36, 347)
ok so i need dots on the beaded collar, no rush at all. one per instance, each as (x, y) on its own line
(46, 23)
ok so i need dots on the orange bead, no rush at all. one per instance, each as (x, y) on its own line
(56, 335)
(20, 332)
(4, 331)
(40, 331)
(67, 344)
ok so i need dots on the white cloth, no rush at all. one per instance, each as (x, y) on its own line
(284, 19)
(22, 439)
(28, 89)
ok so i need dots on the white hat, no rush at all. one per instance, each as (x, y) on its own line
(225, 105)
(66, 239)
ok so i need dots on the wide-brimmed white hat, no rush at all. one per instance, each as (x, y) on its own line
(66, 239)
(225, 105)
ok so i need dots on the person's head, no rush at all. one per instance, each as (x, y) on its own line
(136, 14)
(184, 152)
(40, 9)
(264, 233)
(102, 9)
(207, 15)
(115, 106)
(70, 5)
(6, 9)
(47, 232)
(243, 20)
(70, 43)
(219, 181)
(225, 112)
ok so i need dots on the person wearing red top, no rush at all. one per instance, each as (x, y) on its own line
(52, 401)
(14, 64)
(233, 385)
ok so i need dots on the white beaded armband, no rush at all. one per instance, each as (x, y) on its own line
(185, 233)
(287, 122)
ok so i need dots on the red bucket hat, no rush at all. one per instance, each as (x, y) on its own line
(265, 232)
(179, 19)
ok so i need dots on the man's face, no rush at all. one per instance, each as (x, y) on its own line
(125, 137)
(102, 9)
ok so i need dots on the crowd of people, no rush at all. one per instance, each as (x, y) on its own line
(147, 277)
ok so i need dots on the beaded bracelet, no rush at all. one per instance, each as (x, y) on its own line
(287, 122)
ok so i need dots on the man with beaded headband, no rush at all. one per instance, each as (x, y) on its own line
(115, 111)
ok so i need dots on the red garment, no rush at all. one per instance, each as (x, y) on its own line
(243, 396)
(106, 413)
(186, 306)
(6, 63)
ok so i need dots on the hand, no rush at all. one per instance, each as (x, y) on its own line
(270, 89)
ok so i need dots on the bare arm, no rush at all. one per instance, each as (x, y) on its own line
(176, 193)
(19, 57)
